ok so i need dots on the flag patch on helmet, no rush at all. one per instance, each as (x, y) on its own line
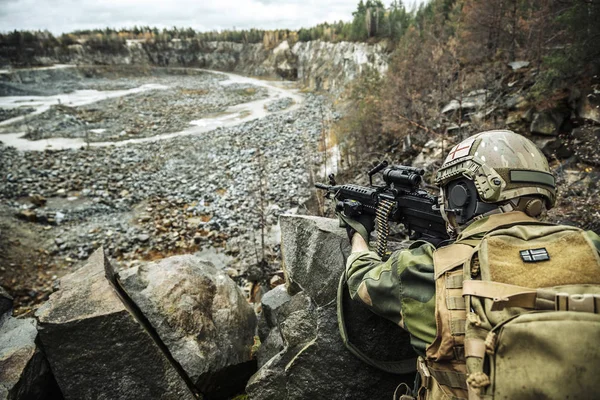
(460, 150)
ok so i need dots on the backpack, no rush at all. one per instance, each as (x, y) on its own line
(518, 314)
(532, 295)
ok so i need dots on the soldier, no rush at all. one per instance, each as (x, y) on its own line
(495, 182)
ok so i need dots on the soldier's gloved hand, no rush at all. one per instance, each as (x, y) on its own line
(362, 224)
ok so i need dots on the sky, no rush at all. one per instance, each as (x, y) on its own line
(60, 16)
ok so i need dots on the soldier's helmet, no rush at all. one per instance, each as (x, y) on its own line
(494, 171)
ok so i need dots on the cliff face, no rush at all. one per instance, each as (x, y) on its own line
(316, 64)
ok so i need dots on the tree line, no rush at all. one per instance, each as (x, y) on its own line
(452, 47)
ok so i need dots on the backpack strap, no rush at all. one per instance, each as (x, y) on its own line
(505, 295)
(497, 221)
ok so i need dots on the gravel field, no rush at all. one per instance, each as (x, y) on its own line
(206, 192)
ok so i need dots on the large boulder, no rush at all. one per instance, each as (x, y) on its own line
(202, 317)
(546, 123)
(314, 362)
(24, 371)
(97, 348)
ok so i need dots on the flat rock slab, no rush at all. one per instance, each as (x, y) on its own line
(201, 316)
(97, 349)
(24, 371)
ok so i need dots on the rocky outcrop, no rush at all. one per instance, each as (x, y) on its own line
(330, 66)
(201, 316)
(97, 349)
(317, 64)
(301, 319)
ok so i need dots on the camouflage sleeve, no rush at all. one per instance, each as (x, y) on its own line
(401, 289)
(594, 238)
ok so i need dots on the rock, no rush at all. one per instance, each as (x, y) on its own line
(201, 316)
(514, 118)
(272, 302)
(314, 362)
(555, 147)
(314, 253)
(88, 333)
(517, 65)
(38, 200)
(143, 238)
(433, 152)
(472, 101)
(6, 303)
(545, 123)
(24, 371)
(589, 108)
(27, 215)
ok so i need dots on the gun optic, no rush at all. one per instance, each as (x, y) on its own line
(403, 176)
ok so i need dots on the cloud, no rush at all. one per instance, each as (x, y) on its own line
(59, 16)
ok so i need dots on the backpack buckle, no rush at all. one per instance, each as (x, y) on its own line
(575, 302)
(424, 372)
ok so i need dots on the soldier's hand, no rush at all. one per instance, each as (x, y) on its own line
(362, 224)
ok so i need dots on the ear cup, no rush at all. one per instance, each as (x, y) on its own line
(459, 195)
(462, 196)
(534, 207)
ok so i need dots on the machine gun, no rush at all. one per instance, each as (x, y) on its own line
(400, 199)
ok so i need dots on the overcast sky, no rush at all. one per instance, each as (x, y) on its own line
(59, 16)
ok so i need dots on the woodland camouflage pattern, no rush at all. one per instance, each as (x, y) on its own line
(402, 289)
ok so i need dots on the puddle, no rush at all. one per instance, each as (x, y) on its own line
(73, 99)
(232, 116)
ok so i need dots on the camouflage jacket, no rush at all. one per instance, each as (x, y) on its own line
(402, 289)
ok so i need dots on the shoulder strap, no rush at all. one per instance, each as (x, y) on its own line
(497, 221)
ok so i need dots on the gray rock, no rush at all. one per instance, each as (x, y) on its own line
(272, 302)
(554, 147)
(24, 371)
(314, 254)
(314, 362)
(88, 333)
(6, 303)
(201, 316)
(517, 65)
(589, 108)
(545, 123)
(269, 347)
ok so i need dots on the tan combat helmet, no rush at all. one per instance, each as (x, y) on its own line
(493, 169)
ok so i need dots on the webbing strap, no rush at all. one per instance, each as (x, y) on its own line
(393, 367)
(474, 348)
(459, 353)
(504, 295)
(449, 378)
(454, 281)
(455, 303)
(457, 326)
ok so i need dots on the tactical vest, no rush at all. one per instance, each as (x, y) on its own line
(517, 314)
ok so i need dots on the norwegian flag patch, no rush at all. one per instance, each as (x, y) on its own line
(460, 150)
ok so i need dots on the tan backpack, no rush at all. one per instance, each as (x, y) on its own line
(522, 310)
